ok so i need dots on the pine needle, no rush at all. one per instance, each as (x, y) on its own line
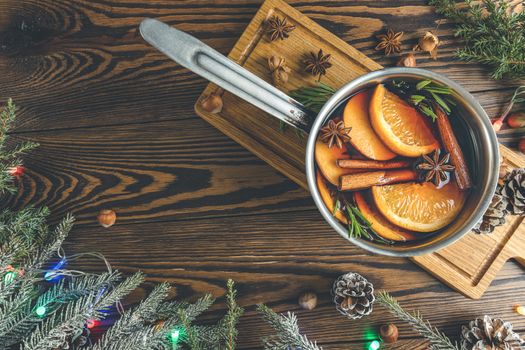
(288, 335)
(10, 157)
(437, 339)
(493, 34)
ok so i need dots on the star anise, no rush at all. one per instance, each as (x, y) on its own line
(278, 28)
(317, 64)
(390, 42)
(335, 133)
(436, 168)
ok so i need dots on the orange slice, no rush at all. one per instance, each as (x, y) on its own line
(378, 223)
(328, 199)
(362, 136)
(400, 126)
(419, 207)
(326, 160)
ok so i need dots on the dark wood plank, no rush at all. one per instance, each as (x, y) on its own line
(273, 257)
(54, 52)
(151, 172)
(195, 208)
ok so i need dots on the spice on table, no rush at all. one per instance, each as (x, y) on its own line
(389, 42)
(212, 103)
(278, 28)
(335, 133)
(436, 168)
(279, 70)
(317, 64)
(408, 60)
(429, 42)
(451, 144)
(107, 218)
(389, 333)
(307, 300)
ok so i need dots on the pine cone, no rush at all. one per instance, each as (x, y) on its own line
(514, 191)
(353, 295)
(490, 334)
(494, 216)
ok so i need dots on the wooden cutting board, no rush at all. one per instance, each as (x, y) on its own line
(469, 265)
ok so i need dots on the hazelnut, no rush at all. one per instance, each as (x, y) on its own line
(429, 43)
(308, 300)
(408, 60)
(389, 333)
(521, 145)
(516, 120)
(107, 218)
(212, 103)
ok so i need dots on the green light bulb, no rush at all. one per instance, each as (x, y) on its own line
(175, 333)
(374, 345)
(9, 277)
(41, 311)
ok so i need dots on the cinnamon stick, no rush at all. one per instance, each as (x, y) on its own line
(372, 164)
(450, 142)
(360, 181)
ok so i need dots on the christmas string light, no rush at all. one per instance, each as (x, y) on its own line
(91, 324)
(41, 311)
(374, 345)
(174, 335)
(54, 273)
(9, 277)
(16, 171)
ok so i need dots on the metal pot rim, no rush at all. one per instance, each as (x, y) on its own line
(487, 132)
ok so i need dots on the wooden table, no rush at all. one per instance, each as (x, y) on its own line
(117, 130)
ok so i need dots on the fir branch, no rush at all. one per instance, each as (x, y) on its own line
(58, 327)
(17, 323)
(10, 157)
(130, 329)
(437, 339)
(229, 322)
(288, 335)
(189, 335)
(493, 33)
(22, 233)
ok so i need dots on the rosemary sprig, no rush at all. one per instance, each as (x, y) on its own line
(358, 225)
(423, 94)
(437, 339)
(493, 33)
(313, 97)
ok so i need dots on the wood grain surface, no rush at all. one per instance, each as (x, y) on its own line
(116, 122)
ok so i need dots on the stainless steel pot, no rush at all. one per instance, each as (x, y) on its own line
(478, 135)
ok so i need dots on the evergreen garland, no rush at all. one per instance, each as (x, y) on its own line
(10, 156)
(493, 33)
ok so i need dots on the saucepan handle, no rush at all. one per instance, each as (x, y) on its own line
(193, 54)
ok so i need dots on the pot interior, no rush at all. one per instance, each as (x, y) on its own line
(474, 133)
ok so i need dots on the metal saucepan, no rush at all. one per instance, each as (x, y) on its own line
(478, 135)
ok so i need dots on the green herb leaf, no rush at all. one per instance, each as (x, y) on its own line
(493, 34)
(422, 84)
